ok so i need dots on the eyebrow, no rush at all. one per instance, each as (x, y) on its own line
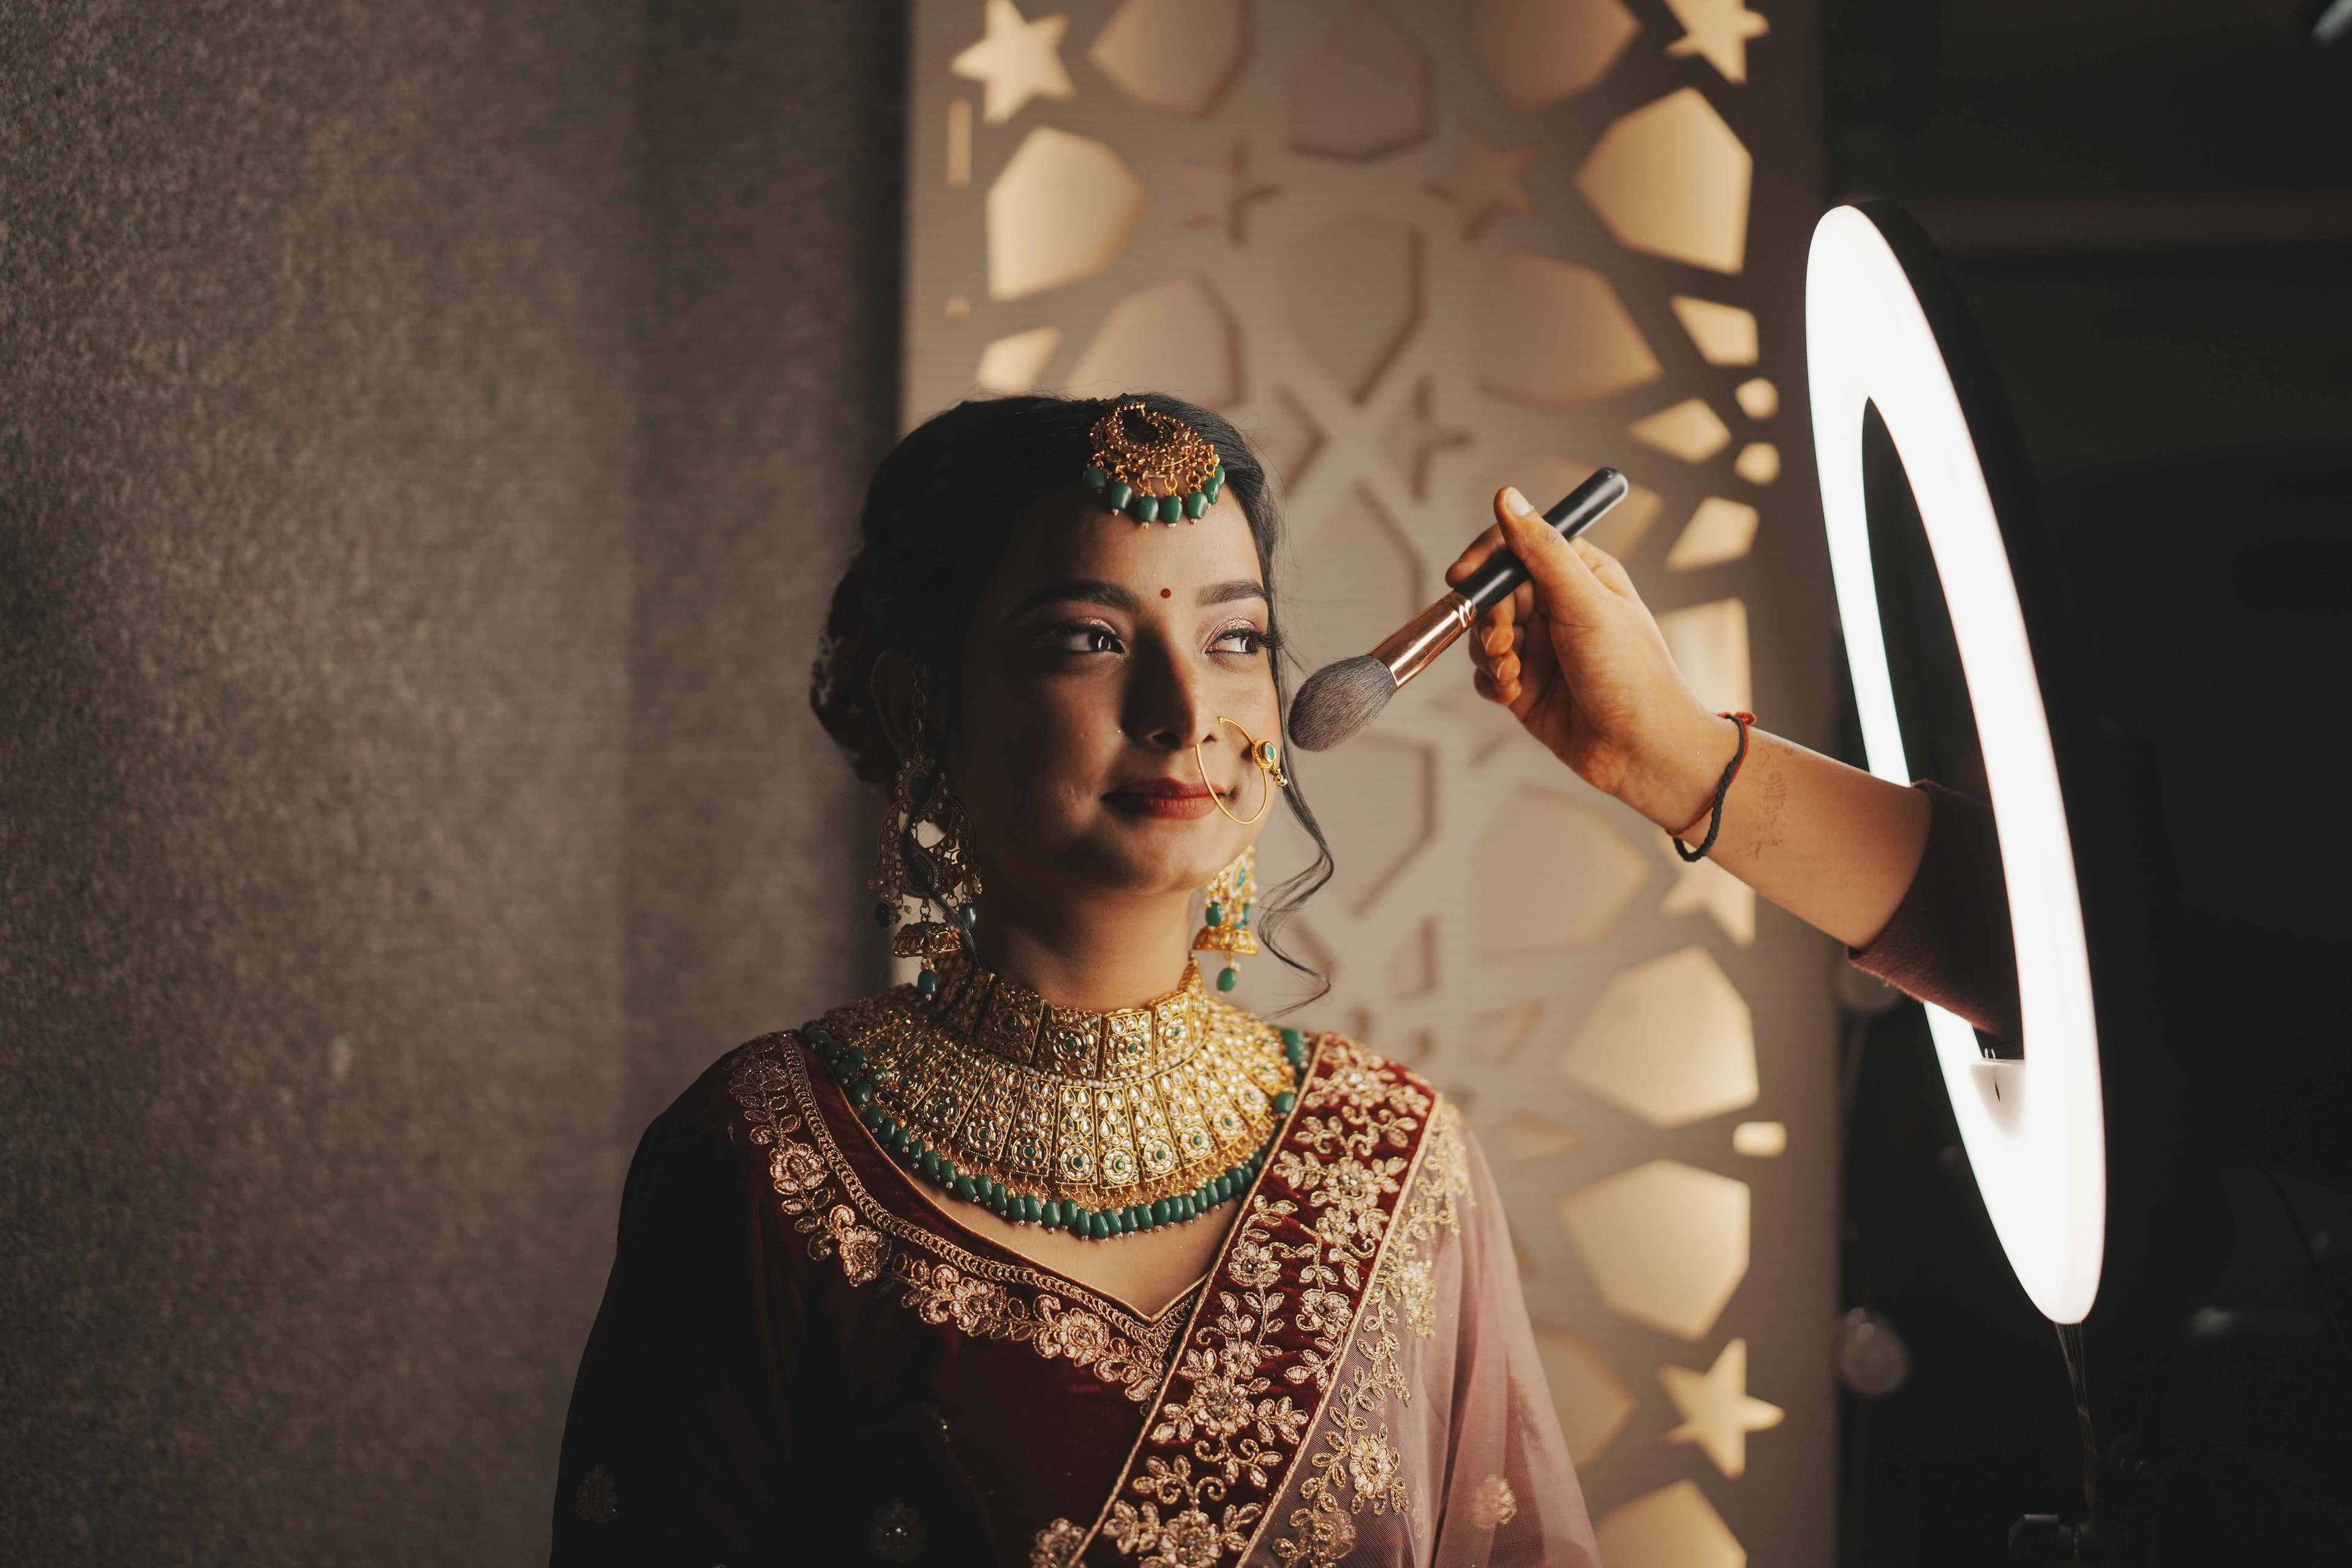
(1111, 596)
(1079, 591)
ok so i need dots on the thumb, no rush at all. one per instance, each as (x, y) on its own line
(1570, 589)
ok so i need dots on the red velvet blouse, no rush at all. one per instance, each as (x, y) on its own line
(800, 1359)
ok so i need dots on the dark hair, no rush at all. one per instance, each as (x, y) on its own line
(938, 519)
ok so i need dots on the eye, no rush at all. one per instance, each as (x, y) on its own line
(1244, 640)
(1081, 637)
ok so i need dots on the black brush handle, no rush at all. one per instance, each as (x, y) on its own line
(1579, 510)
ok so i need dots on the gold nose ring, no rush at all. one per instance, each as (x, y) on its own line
(1269, 766)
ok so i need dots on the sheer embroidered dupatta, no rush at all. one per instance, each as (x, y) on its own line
(1359, 1381)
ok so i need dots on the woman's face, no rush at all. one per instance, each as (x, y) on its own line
(1101, 652)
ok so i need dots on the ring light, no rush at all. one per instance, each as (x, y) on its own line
(2033, 1128)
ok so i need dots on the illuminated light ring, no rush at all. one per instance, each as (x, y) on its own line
(2033, 1128)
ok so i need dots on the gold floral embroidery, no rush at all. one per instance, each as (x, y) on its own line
(861, 1251)
(941, 1293)
(1233, 1425)
(1312, 1247)
(1417, 1295)
(1360, 1467)
(1056, 1545)
(898, 1535)
(598, 1501)
(1190, 1538)
(1493, 1502)
(943, 1283)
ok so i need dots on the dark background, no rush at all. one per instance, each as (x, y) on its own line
(2148, 207)
(429, 432)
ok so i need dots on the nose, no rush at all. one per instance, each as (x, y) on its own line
(1168, 703)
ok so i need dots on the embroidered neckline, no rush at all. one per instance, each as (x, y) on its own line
(943, 1283)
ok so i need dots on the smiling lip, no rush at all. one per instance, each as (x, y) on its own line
(1170, 798)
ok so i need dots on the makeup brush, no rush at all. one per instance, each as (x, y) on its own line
(1341, 699)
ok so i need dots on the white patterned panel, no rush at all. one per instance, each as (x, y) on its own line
(1417, 251)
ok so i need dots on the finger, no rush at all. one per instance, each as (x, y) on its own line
(1607, 568)
(1498, 639)
(1476, 555)
(1557, 571)
(1502, 613)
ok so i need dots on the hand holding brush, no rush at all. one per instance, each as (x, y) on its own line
(1577, 657)
(1341, 699)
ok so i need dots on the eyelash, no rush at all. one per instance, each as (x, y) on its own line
(1053, 638)
(1258, 641)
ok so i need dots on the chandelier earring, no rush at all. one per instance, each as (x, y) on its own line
(925, 859)
(1232, 904)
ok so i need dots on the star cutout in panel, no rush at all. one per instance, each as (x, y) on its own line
(1222, 194)
(1485, 180)
(1016, 61)
(1413, 435)
(1719, 29)
(1717, 1413)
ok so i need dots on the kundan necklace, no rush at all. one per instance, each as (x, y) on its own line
(1098, 1123)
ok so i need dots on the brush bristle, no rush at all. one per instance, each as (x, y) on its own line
(1337, 701)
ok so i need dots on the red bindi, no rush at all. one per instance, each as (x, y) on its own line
(1167, 593)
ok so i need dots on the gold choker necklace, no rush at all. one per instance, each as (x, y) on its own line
(1100, 1124)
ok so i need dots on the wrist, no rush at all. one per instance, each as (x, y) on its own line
(1677, 783)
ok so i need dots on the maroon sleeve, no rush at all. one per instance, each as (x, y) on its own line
(673, 1454)
(1948, 942)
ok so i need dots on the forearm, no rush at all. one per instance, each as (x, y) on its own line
(1833, 845)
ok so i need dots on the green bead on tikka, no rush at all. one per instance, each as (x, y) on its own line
(1190, 506)
(1228, 977)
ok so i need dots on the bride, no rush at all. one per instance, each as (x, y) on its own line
(1054, 1255)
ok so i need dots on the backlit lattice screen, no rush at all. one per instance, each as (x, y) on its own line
(1417, 251)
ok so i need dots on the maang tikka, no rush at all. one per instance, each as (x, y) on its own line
(1152, 465)
(938, 875)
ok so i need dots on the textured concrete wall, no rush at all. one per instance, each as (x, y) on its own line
(773, 135)
(356, 362)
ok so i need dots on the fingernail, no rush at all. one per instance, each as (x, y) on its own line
(1515, 501)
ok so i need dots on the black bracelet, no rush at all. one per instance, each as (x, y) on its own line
(1714, 814)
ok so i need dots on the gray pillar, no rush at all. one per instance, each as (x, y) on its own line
(426, 431)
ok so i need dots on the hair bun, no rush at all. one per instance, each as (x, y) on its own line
(841, 684)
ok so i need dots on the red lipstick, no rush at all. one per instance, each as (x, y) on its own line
(1172, 799)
